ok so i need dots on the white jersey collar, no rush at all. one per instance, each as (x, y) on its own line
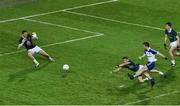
(170, 30)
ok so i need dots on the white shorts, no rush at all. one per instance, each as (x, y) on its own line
(36, 49)
(174, 44)
(140, 68)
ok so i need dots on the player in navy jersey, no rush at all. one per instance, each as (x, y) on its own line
(151, 57)
(129, 64)
(26, 40)
(171, 34)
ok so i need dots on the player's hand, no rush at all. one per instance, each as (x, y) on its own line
(165, 46)
(34, 35)
(115, 69)
(178, 48)
(140, 57)
(165, 58)
(19, 46)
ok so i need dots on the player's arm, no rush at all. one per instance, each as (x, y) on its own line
(118, 67)
(160, 54)
(165, 41)
(178, 40)
(141, 57)
(21, 43)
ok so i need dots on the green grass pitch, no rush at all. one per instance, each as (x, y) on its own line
(91, 40)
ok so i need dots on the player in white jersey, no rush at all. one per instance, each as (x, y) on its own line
(151, 57)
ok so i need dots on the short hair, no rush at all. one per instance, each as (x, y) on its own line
(169, 24)
(125, 57)
(146, 44)
(23, 31)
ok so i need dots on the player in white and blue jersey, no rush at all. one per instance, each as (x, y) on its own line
(174, 40)
(151, 57)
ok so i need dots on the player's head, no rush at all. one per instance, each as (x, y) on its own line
(146, 45)
(24, 33)
(125, 59)
(168, 25)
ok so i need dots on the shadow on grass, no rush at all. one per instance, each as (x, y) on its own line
(21, 75)
(170, 77)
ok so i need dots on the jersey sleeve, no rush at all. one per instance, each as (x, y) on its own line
(126, 65)
(153, 51)
(166, 32)
(175, 33)
(20, 40)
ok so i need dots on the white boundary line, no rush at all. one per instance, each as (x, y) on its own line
(58, 43)
(57, 11)
(62, 26)
(146, 99)
(112, 20)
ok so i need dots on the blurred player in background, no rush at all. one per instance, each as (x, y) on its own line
(171, 34)
(26, 40)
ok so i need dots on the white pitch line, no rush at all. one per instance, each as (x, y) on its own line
(112, 20)
(62, 26)
(121, 86)
(105, 2)
(146, 99)
(57, 11)
(53, 44)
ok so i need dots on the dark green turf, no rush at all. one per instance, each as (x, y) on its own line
(89, 80)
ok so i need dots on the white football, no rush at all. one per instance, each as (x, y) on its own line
(66, 67)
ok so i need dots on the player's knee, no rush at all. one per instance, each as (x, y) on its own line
(171, 52)
(141, 81)
(30, 54)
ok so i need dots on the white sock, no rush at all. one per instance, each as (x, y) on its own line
(145, 79)
(173, 62)
(35, 62)
(161, 73)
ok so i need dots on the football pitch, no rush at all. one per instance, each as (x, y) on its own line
(91, 36)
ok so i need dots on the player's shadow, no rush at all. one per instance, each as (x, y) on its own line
(138, 89)
(21, 75)
(170, 76)
(130, 89)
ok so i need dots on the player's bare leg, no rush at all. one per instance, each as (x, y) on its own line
(156, 71)
(143, 71)
(177, 53)
(171, 53)
(46, 55)
(30, 55)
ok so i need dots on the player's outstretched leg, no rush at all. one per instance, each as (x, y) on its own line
(30, 55)
(152, 81)
(143, 71)
(159, 72)
(46, 55)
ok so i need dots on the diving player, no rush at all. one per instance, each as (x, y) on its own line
(127, 63)
(151, 57)
(171, 34)
(26, 40)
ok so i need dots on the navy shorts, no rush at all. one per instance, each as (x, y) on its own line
(151, 65)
